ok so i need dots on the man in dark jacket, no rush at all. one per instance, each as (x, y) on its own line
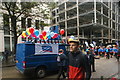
(91, 59)
(61, 59)
(79, 67)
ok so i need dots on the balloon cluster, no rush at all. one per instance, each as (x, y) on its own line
(45, 35)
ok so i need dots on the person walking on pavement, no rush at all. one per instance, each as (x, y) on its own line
(118, 55)
(6, 53)
(107, 52)
(91, 59)
(116, 52)
(61, 59)
(79, 67)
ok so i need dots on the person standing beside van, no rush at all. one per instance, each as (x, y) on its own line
(61, 59)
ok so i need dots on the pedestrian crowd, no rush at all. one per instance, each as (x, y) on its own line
(81, 63)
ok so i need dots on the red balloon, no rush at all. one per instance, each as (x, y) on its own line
(41, 36)
(62, 31)
(55, 35)
(23, 37)
(33, 35)
(44, 33)
(31, 30)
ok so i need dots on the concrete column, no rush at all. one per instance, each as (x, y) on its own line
(102, 35)
(78, 20)
(83, 35)
(10, 36)
(65, 21)
(101, 13)
(1, 40)
(117, 22)
(111, 23)
(111, 35)
(108, 35)
(1, 33)
(94, 11)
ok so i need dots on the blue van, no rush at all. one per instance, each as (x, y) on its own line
(37, 58)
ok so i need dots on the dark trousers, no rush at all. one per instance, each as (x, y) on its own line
(61, 72)
(93, 66)
(107, 56)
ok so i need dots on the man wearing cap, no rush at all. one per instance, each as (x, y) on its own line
(79, 67)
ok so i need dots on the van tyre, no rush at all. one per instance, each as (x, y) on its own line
(41, 72)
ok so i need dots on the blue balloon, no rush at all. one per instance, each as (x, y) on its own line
(36, 32)
(49, 37)
(26, 33)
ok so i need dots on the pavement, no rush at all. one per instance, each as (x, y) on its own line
(9, 63)
(104, 67)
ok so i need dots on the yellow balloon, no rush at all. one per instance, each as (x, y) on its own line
(44, 37)
(24, 33)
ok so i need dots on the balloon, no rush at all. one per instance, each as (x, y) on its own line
(44, 37)
(24, 33)
(49, 37)
(41, 36)
(52, 34)
(62, 31)
(31, 30)
(28, 32)
(29, 37)
(23, 37)
(48, 33)
(36, 32)
(44, 33)
(33, 35)
(55, 35)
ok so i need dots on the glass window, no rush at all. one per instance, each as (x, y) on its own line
(7, 43)
(6, 24)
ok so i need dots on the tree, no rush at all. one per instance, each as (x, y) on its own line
(15, 10)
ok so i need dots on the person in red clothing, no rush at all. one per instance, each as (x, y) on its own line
(79, 66)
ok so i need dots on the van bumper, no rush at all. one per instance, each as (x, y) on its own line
(29, 70)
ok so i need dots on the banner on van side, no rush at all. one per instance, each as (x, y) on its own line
(46, 49)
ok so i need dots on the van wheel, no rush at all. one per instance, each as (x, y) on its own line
(41, 72)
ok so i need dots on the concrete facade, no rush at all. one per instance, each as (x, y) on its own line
(90, 21)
